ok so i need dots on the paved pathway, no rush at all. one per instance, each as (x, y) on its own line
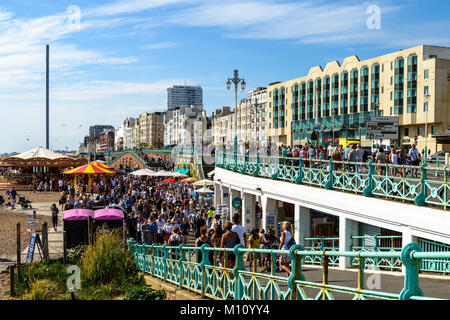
(432, 286)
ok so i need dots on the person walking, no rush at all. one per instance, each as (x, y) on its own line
(286, 242)
(239, 229)
(254, 242)
(55, 212)
(229, 240)
(393, 159)
(185, 227)
(168, 229)
(414, 155)
(200, 242)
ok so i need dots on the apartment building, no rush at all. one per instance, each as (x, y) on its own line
(150, 130)
(250, 120)
(184, 126)
(336, 100)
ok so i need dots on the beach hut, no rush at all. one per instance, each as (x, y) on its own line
(112, 218)
(75, 223)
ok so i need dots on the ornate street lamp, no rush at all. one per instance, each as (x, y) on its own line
(236, 80)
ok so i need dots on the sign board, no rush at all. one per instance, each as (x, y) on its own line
(237, 202)
(34, 239)
(270, 222)
(382, 128)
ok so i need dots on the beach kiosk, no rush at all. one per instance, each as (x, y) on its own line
(75, 224)
(111, 218)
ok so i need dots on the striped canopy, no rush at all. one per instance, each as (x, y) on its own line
(102, 165)
(92, 168)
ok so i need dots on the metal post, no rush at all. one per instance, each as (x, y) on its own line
(11, 281)
(18, 251)
(64, 248)
(45, 240)
(47, 111)
(324, 272)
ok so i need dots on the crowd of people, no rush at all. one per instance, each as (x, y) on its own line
(171, 213)
(352, 153)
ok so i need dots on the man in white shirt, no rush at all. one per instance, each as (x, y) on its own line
(240, 230)
(330, 150)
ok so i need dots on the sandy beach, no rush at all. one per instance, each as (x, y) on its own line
(9, 219)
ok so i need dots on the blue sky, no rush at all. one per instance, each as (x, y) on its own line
(113, 59)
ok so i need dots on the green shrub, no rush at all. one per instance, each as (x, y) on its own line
(49, 270)
(145, 292)
(108, 260)
(75, 254)
(43, 289)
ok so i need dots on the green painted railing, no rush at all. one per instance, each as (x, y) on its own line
(372, 244)
(196, 269)
(424, 185)
(436, 264)
(321, 244)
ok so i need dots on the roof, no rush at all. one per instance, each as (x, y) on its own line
(39, 152)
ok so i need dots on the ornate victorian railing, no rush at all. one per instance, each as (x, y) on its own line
(424, 185)
(198, 270)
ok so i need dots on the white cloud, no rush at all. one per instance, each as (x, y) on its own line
(160, 45)
(312, 21)
(98, 90)
(5, 15)
(130, 6)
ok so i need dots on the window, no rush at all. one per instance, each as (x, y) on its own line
(420, 131)
(391, 95)
(391, 81)
(433, 130)
(425, 90)
(382, 67)
(426, 74)
(392, 65)
(425, 106)
(406, 132)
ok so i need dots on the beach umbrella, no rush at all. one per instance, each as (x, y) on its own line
(170, 180)
(142, 172)
(179, 175)
(203, 183)
(191, 179)
(161, 173)
(204, 190)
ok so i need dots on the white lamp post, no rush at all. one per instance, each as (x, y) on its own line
(427, 100)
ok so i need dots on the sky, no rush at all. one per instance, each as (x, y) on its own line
(115, 59)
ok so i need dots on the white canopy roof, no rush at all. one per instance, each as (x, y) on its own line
(143, 172)
(204, 190)
(39, 152)
(179, 175)
(161, 173)
(203, 183)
